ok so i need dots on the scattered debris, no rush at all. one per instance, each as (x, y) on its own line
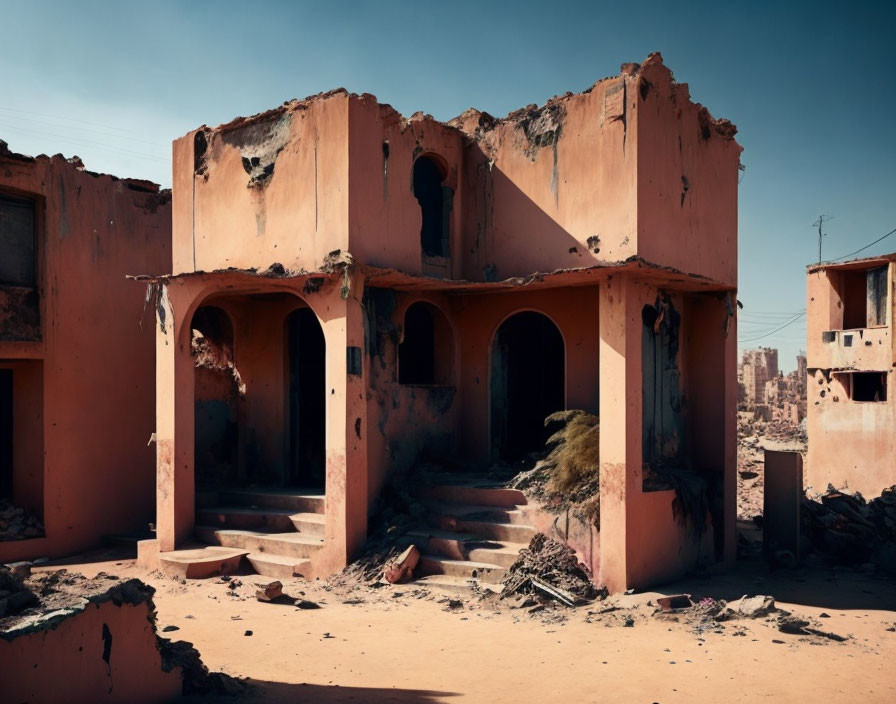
(846, 528)
(17, 523)
(269, 592)
(551, 569)
(401, 569)
(756, 606)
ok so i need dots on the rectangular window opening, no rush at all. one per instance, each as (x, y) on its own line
(863, 387)
(863, 293)
(17, 235)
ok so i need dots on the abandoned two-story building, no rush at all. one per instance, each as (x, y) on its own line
(851, 358)
(76, 368)
(351, 290)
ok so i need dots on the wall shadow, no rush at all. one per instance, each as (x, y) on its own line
(261, 691)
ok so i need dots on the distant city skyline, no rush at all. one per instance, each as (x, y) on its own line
(809, 86)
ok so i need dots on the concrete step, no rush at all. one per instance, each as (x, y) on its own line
(246, 518)
(471, 494)
(295, 500)
(483, 571)
(200, 563)
(278, 566)
(290, 544)
(454, 585)
(479, 512)
(464, 546)
(491, 530)
(309, 523)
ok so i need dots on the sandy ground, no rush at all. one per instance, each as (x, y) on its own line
(403, 644)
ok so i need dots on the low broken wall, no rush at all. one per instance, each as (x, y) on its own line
(86, 641)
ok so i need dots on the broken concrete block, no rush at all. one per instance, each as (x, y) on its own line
(401, 569)
(269, 592)
(756, 606)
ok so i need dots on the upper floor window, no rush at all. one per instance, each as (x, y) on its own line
(436, 201)
(864, 296)
(17, 234)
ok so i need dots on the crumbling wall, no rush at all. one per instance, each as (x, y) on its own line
(408, 423)
(94, 357)
(85, 641)
(384, 215)
(281, 176)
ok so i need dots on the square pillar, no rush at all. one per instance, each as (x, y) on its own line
(620, 424)
(175, 485)
(346, 409)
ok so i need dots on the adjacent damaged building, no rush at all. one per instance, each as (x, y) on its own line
(77, 392)
(851, 357)
(351, 292)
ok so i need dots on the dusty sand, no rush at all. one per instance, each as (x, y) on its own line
(400, 644)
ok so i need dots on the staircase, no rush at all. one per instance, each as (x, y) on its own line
(476, 532)
(276, 531)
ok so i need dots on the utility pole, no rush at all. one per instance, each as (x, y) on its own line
(821, 220)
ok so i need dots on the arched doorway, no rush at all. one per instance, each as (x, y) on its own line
(528, 383)
(306, 366)
(217, 394)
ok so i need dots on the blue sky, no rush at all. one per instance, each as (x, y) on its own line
(810, 86)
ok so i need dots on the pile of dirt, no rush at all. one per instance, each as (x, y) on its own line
(14, 596)
(566, 474)
(17, 523)
(551, 570)
(847, 529)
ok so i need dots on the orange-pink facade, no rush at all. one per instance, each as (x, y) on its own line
(850, 357)
(76, 356)
(608, 217)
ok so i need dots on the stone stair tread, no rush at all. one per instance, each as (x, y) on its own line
(466, 510)
(247, 510)
(271, 558)
(450, 583)
(466, 563)
(488, 543)
(292, 537)
(210, 553)
(309, 517)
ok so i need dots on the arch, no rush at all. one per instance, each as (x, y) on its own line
(306, 401)
(426, 351)
(436, 202)
(527, 382)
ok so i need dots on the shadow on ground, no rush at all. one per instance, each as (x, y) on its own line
(324, 694)
(812, 584)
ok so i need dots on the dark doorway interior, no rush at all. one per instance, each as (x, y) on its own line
(416, 353)
(527, 383)
(307, 398)
(6, 433)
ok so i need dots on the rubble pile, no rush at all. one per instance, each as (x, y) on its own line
(551, 570)
(17, 523)
(849, 529)
(14, 595)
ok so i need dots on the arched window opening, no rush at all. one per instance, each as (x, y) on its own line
(436, 202)
(527, 383)
(426, 352)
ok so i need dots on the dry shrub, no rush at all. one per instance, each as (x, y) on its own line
(575, 453)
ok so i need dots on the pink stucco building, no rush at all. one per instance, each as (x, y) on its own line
(351, 290)
(850, 358)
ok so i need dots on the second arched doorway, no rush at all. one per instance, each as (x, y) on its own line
(528, 383)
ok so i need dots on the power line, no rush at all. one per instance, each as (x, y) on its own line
(879, 239)
(88, 143)
(759, 337)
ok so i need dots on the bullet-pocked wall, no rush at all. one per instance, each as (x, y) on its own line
(78, 460)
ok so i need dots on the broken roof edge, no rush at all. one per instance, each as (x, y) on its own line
(652, 66)
(336, 263)
(852, 263)
(74, 162)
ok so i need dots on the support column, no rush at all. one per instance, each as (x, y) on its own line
(620, 425)
(175, 485)
(346, 409)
